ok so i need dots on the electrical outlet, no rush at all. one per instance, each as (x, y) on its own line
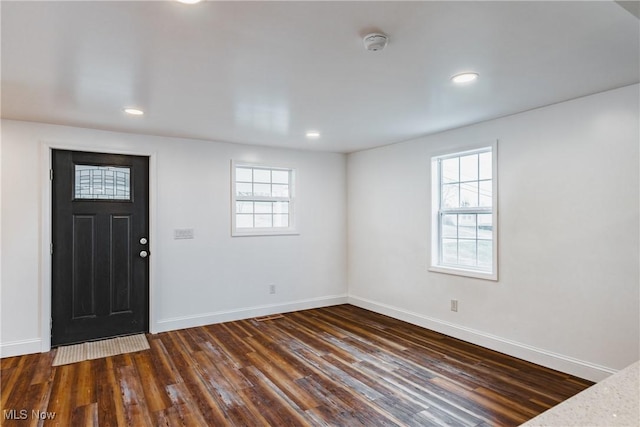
(454, 305)
(272, 289)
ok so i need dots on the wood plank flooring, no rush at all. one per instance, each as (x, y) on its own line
(336, 366)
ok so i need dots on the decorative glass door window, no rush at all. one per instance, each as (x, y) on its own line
(102, 182)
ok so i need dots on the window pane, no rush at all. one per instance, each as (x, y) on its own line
(243, 189)
(262, 199)
(262, 190)
(469, 194)
(469, 168)
(281, 207)
(485, 226)
(280, 177)
(243, 174)
(244, 221)
(449, 251)
(450, 226)
(485, 166)
(280, 190)
(261, 175)
(244, 207)
(450, 170)
(485, 254)
(467, 226)
(102, 182)
(450, 196)
(281, 220)
(486, 193)
(263, 221)
(263, 207)
(467, 252)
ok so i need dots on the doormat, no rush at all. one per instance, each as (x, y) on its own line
(97, 349)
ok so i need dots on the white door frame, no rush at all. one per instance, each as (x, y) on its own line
(46, 224)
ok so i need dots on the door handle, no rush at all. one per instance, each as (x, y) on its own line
(144, 254)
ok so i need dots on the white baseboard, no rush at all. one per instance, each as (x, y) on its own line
(570, 365)
(174, 323)
(18, 348)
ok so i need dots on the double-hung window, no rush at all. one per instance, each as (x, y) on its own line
(464, 213)
(262, 200)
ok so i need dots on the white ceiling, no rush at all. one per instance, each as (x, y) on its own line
(266, 72)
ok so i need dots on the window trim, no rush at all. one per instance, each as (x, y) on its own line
(436, 211)
(272, 231)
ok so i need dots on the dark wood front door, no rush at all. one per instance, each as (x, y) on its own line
(100, 265)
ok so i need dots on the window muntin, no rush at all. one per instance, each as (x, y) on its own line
(464, 213)
(262, 200)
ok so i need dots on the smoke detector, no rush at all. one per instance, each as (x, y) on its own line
(375, 41)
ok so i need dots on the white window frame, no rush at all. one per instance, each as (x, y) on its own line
(436, 213)
(263, 231)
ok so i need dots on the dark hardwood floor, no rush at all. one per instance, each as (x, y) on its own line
(337, 366)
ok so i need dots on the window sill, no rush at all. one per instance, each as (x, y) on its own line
(465, 273)
(266, 232)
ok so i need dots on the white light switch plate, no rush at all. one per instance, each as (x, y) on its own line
(183, 233)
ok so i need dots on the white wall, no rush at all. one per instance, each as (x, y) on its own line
(568, 294)
(211, 278)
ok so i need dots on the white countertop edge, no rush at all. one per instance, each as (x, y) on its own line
(613, 402)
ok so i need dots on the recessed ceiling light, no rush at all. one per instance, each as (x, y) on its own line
(189, 1)
(464, 78)
(313, 134)
(133, 111)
